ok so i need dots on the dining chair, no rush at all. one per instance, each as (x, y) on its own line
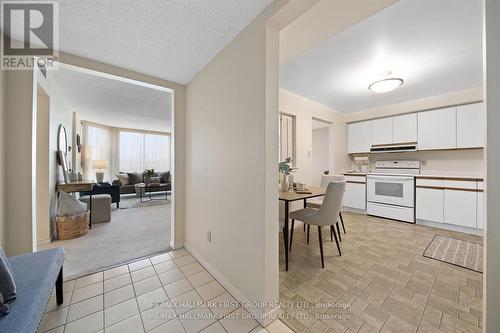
(323, 216)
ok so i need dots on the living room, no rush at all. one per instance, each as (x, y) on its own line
(116, 135)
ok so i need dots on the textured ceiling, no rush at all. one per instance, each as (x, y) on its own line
(169, 39)
(435, 46)
(112, 102)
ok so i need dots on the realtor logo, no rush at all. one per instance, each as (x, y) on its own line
(30, 34)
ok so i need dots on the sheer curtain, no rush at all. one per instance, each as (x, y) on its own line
(99, 143)
(143, 150)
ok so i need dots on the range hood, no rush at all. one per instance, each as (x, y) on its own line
(394, 147)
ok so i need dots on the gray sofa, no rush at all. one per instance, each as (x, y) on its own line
(165, 178)
(35, 275)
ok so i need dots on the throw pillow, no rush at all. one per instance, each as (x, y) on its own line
(154, 180)
(135, 178)
(69, 205)
(123, 178)
(7, 284)
(4, 307)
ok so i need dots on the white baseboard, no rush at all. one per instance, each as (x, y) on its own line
(176, 246)
(452, 227)
(264, 319)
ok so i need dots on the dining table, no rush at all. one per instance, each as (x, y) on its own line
(290, 196)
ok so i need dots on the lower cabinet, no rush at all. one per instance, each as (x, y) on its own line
(355, 196)
(460, 208)
(480, 210)
(430, 205)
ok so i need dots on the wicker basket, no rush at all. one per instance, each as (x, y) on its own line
(72, 226)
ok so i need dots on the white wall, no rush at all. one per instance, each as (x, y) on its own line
(3, 130)
(304, 110)
(230, 123)
(320, 154)
(491, 292)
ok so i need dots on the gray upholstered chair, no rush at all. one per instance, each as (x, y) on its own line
(328, 212)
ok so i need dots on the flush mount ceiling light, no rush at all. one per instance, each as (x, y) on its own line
(385, 85)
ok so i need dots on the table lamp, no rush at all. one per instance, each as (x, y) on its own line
(99, 165)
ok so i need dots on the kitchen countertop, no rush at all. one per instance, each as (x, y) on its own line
(432, 175)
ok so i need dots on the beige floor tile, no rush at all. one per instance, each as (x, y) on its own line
(200, 278)
(239, 321)
(259, 329)
(160, 258)
(184, 260)
(118, 295)
(177, 288)
(178, 253)
(173, 326)
(68, 285)
(214, 328)
(197, 319)
(157, 316)
(129, 325)
(85, 308)
(186, 302)
(170, 276)
(139, 264)
(52, 304)
(117, 282)
(146, 285)
(91, 323)
(54, 319)
(59, 329)
(222, 305)
(154, 298)
(114, 272)
(278, 326)
(88, 280)
(120, 312)
(395, 325)
(210, 290)
(87, 292)
(143, 273)
(192, 268)
(165, 267)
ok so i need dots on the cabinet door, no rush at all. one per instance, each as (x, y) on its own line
(382, 131)
(437, 129)
(359, 137)
(404, 128)
(460, 208)
(430, 204)
(470, 125)
(480, 210)
(355, 196)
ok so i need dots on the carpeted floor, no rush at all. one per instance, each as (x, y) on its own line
(135, 231)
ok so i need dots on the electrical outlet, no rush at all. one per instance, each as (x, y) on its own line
(209, 236)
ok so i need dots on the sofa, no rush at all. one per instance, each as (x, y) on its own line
(127, 181)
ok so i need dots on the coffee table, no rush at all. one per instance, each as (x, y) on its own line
(152, 188)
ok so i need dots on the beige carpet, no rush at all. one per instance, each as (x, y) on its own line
(135, 231)
(457, 252)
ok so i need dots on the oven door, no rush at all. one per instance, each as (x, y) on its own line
(393, 190)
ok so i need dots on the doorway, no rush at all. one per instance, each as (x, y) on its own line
(320, 150)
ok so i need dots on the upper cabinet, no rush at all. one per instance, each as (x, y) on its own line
(470, 125)
(404, 128)
(382, 131)
(437, 129)
(359, 137)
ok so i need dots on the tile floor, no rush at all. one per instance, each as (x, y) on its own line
(170, 292)
(381, 283)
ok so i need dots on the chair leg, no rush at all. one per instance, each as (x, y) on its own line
(342, 221)
(337, 241)
(304, 227)
(321, 246)
(291, 235)
(308, 229)
(331, 233)
(338, 230)
(59, 288)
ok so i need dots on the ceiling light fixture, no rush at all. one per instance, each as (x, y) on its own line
(385, 85)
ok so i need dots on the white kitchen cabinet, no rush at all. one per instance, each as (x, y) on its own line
(460, 208)
(404, 128)
(480, 210)
(359, 137)
(430, 204)
(437, 129)
(382, 131)
(470, 125)
(355, 196)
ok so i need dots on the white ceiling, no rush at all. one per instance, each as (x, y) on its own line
(172, 40)
(435, 46)
(112, 102)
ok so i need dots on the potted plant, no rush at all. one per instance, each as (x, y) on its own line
(284, 169)
(148, 174)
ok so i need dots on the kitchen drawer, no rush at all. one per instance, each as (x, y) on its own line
(429, 182)
(356, 179)
(461, 184)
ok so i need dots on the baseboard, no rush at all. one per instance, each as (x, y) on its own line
(176, 245)
(452, 227)
(354, 210)
(264, 319)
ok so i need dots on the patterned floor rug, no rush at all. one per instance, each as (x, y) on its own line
(456, 252)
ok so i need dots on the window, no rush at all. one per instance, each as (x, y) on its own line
(287, 138)
(97, 146)
(142, 150)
